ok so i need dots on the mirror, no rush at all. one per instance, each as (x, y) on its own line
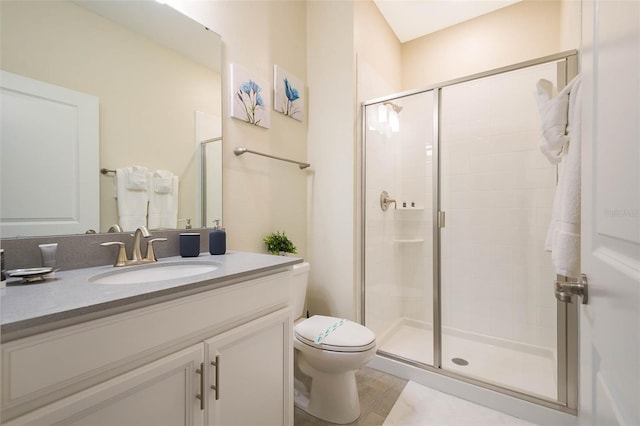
(156, 76)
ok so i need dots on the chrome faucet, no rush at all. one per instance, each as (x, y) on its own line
(136, 259)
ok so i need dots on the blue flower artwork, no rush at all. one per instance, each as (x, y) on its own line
(249, 100)
(288, 97)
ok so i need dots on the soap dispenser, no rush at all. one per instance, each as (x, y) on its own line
(217, 239)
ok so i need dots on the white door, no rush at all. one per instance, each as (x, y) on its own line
(49, 170)
(252, 379)
(610, 323)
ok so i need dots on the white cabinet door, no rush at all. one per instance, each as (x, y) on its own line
(160, 393)
(252, 375)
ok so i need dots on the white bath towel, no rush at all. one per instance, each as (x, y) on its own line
(163, 200)
(553, 119)
(133, 196)
(563, 237)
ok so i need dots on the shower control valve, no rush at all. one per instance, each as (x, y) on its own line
(385, 200)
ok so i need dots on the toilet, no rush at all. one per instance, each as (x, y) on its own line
(327, 352)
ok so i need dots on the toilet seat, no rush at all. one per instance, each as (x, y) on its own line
(334, 334)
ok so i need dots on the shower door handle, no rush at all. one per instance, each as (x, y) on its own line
(565, 289)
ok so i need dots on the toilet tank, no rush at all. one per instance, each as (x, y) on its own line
(300, 279)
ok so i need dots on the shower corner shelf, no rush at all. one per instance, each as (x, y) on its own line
(409, 241)
(419, 209)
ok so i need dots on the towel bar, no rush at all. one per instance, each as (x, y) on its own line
(106, 171)
(241, 150)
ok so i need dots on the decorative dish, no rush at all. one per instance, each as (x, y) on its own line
(29, 275)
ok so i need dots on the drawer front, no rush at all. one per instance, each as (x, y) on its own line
(46, 367)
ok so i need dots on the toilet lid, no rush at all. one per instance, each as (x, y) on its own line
(335, 334)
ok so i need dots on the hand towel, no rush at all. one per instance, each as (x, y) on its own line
(137, 178)
(162, 181)
(563, 237)
(163, 200)
(132, 196)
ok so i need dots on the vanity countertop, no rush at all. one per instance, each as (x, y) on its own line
(70, 297)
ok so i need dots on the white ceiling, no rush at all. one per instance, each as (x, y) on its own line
(164, 25)
(410, 19)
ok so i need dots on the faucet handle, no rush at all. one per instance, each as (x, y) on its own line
(114, 228)
(151, 255)
(121, 260)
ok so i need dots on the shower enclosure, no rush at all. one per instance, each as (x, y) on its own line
(457, 198)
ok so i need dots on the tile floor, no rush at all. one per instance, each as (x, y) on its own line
(386, 400)
(378, 393)
(421, 406)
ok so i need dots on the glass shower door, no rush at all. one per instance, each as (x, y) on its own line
(398, 233)
(497, 188)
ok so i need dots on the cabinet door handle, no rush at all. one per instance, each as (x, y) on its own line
(200, 396)
(216, 387)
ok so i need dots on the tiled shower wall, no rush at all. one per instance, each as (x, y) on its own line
(398, 253)
(497, 191)
(413, 239)
(382, 306)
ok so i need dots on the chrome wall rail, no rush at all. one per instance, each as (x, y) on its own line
(241, 150)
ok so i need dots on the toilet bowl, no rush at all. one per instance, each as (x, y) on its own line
(328, 351)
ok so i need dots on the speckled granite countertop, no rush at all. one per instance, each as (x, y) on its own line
(70, 297)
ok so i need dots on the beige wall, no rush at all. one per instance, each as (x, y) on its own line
(331, 79)
(66, 45)
(260, 195)
(352, 55)
(516, 33)
(570, 24)
(379, 73)
(379, 53)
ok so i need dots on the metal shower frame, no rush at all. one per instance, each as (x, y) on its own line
(567, 313)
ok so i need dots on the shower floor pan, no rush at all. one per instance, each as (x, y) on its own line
(522, 367)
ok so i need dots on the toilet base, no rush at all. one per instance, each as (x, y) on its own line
(331, 397)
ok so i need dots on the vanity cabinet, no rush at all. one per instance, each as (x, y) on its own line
(218, 357)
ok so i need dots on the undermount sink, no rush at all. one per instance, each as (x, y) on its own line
(154, 272)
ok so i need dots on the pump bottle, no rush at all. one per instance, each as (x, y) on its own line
(217, 239)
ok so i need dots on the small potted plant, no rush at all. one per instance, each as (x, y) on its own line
(279, 243)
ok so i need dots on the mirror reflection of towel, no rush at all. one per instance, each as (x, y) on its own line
(133, 196)
(137, 178)
(162, 181)
(163, 200)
